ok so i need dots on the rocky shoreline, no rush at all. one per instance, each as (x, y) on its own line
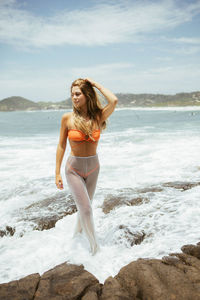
(174, 277)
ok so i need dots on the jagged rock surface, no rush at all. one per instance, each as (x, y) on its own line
(23, 289)
(174, 277)
(65, 281)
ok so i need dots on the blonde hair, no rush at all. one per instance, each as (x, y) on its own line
(94, 108)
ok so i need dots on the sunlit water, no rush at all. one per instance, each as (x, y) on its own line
(140, 148)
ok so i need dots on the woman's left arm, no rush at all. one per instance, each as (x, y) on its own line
(110, 97)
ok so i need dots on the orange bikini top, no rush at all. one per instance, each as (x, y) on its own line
(79, 136)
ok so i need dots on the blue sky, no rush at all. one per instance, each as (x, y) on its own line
(128, 46)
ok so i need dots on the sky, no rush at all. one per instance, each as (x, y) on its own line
(126, 45)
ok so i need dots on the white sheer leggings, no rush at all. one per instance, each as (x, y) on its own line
(81, 174)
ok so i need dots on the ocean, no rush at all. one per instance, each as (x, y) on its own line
(144, 153)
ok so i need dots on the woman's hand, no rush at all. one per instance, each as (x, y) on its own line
(59, 182)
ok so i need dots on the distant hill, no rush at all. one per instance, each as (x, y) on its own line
(158, 100)
(125, 100)
(17, 103)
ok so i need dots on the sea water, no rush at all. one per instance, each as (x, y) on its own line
(141, 148)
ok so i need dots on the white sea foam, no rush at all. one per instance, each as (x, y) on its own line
(162, 148)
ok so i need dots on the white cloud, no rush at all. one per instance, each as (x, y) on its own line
(184, 45)
(186, 40)
(114, 22)
(100, 70)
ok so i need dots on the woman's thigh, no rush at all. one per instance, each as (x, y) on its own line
(79, 191)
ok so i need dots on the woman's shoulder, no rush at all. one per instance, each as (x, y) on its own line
(67, 116)
(66, 119)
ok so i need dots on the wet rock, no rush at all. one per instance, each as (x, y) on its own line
(90, 296)
(133, 238)
(155, 280)
(93, 292)
(151, 189)
(65, 281)
(23, 289)
(131, 197)
(174, 277)
(45, 223)
(193, 250)
(45, 213)
(41, 215)
(9, 230)
(181, 185)
(112, 290)
(111, 202)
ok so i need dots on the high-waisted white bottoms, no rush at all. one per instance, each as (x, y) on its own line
(81, 174)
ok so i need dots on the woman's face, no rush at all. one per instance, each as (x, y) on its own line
(78, 98)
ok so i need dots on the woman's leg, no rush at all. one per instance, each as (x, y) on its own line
(78, 228)
(91, 182)
(79, 192)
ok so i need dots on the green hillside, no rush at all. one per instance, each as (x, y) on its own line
(125, 100)
(17, 103)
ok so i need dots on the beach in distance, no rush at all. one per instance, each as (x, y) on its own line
(146, 203)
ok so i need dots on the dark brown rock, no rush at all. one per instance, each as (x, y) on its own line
(112, 202)
(23, 289)
(181, 185)
(175, 277)
(9, 230)
(112, 290)
(155, 280)
(189, 260)
(43, 214)
(192, 250)
(90, 295)
(134, 238)
(133, 197)
(45, 223)
(53, 208)
(65, 281)
(151, 189)
(93, 292)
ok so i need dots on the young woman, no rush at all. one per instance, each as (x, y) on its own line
(82, 127)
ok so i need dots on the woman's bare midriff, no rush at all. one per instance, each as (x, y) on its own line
(84, 149)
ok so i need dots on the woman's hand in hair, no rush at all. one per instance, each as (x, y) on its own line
(91, 81)
(94, 84)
